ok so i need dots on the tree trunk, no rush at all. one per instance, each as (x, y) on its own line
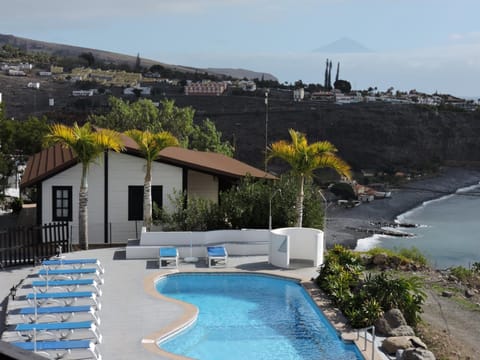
(147, 197)
(83, 210)
(299, 202)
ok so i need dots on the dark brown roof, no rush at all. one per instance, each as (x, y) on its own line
(210, 162)
(55, 159)
(46, 163)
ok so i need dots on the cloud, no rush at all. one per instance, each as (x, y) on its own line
(470, 37)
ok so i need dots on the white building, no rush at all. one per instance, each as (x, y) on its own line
(144, 90)
(115, 186)
(82, 92)
(298, 94)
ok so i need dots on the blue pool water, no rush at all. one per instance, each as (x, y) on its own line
(254, 317)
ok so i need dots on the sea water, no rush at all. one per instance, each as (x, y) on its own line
(448, 233)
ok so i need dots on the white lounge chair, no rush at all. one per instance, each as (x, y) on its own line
(75, 263)
(71, 274)
(58, 313)
(67, 297)
(59, 330)
(51, 348)
(217, 256)
(168, 257)
(66, 285)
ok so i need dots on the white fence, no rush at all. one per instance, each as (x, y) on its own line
(281, 245)
(193, 243)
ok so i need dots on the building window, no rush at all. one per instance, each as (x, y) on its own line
(62, 203)
(135, 201)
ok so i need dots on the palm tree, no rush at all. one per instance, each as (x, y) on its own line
(150, 145)
(304, 158)
(87, 144)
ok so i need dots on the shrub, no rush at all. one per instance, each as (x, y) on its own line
(364, 300)
(463, 274)
(401, 256)
(413, 254)
(16, 205)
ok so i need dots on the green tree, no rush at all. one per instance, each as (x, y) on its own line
(87, 144)
(205, 137)
(144, 115)
(178, 121)
(303, 159)
(123, 115)
(18, 140)
(150, 145)
(88, 57)
(138, 62)
(343, 85)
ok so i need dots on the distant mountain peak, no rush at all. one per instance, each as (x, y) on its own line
(343, 45)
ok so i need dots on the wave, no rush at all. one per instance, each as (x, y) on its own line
(402, 217)
(370, 242)
(468, 188)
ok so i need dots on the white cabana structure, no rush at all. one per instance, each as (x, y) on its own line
(298, 244)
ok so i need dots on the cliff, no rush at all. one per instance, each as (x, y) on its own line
(368, 136)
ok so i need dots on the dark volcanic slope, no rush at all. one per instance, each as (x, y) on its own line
(368, 136)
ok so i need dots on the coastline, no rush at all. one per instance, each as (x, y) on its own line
(344, 224)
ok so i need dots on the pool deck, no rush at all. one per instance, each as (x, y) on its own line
(132, 314)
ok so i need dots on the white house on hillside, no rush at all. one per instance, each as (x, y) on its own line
(115, 186)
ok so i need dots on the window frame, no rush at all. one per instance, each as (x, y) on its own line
(69, 200)
(135, 201)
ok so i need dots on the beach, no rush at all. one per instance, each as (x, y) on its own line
(345, 226)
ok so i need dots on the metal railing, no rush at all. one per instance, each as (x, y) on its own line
(365, 332)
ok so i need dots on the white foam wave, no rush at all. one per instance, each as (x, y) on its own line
(370, 242)
(410, 213)
(468, 188)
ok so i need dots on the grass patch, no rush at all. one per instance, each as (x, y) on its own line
(405, 255)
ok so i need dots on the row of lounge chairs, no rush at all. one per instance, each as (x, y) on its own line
(168, 257)
(48, 330)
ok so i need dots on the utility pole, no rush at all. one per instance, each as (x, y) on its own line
(266, 129)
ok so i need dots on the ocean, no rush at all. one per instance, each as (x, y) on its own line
(448, 233)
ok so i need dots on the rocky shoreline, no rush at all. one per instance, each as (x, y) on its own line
(346, 225)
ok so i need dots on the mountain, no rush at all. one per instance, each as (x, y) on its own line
(343, 45)
(63, 50)
(242, 73)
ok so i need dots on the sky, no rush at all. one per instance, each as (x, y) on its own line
(427, 45)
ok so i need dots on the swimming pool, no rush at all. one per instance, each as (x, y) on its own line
(250, 316)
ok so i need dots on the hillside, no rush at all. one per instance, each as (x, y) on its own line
(63, 50)
(369, 136)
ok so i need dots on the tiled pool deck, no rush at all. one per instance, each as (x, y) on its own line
(133, 314)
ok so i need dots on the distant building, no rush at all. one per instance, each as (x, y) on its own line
(247, 85)
(323, 96)
(144, 90)
(16, 72)
(33, 85)
(82, 92)
(298, 94)
(56, 69)
(209, 88)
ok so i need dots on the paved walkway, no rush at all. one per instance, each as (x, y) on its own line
(129, 314)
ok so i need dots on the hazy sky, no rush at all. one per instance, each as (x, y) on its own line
(428, 45)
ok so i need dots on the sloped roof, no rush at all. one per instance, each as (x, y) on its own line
(55, 159)
(210, 162)
(46, 163)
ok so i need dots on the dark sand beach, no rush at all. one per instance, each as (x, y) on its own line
(342, 222)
